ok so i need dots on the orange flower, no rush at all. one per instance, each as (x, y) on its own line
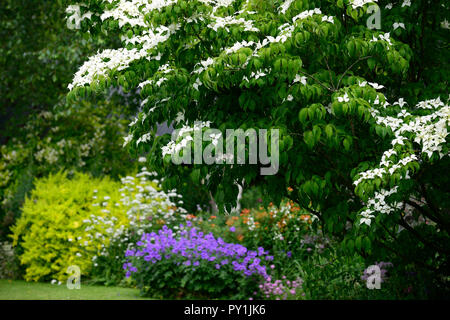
(190, 216)
(245, 211)
(213, 225)
(261, 215)
(290, 189)
(240, 237)
(305, 217)
(212, 217)
(235, 218)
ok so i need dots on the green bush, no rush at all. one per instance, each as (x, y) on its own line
(52, 234)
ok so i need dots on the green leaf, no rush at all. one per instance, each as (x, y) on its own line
(303, 115)
(346, 143)
(371, 62)
(350, 245)
(329, 130)
(195, 176)
(308, 137)
(358, 243)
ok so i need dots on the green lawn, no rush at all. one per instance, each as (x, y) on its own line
(22, 290)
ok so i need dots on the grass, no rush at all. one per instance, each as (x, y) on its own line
(22, 290)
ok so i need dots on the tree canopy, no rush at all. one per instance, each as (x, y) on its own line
(363, 113)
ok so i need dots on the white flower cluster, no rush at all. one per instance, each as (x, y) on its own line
(239, 45)
(204, 64)
(258, 74)
(397, 25)
(223, 22)
(146, 205)
(360, 3)
(103, 62)
(383, 37)
(329, 19)
(285, 6)
(430, 104)
(126, 12)
(216, 4)
(184, 137)
(301, 79)
(132, 12)
(48, 154)
(429, 131)
(378, 204)
(306, 14)
(445, 24)
(120, 59)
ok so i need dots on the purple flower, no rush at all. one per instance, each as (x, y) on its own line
(192, 244)
(232, 229)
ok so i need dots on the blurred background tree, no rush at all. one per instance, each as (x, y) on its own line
(39, 132)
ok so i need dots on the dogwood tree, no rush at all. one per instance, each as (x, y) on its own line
(362, 111)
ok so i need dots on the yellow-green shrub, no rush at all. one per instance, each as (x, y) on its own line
(52, 231)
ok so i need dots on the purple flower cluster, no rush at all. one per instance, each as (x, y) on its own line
(382, 265)
(280, 288)
(192, 247)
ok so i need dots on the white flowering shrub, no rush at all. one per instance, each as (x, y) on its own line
(363, 113)
(148, 208)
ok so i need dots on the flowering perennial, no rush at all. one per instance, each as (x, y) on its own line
(280, 289)
(192, 247)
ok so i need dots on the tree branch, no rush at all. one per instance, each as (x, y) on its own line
(349, 68)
